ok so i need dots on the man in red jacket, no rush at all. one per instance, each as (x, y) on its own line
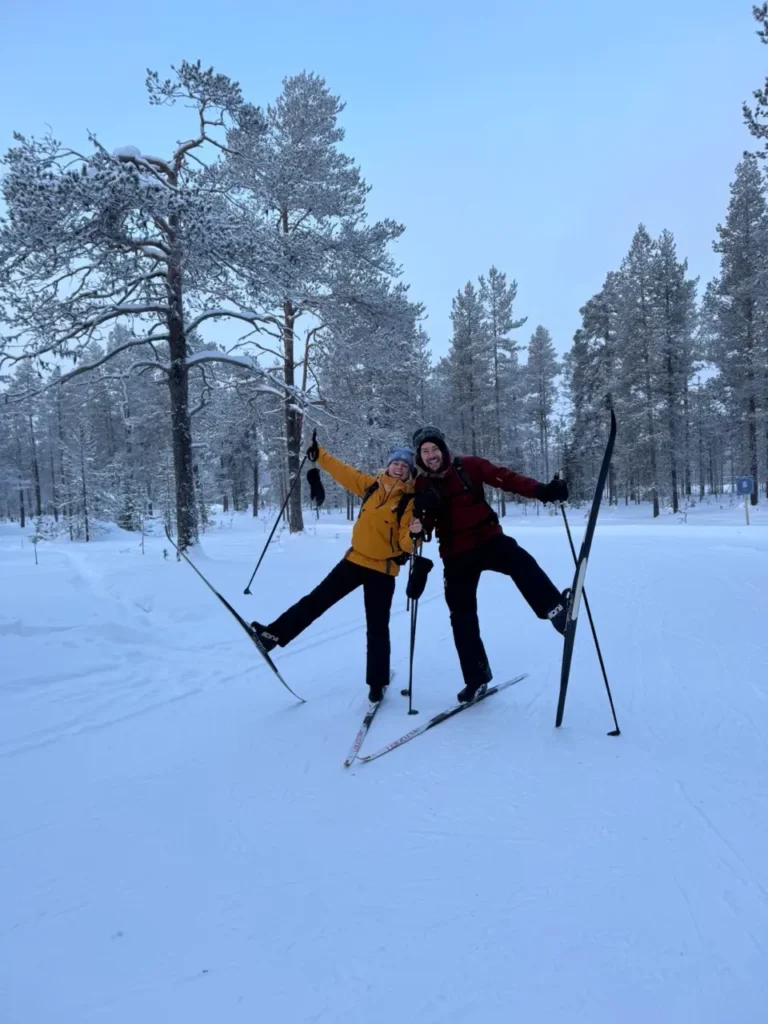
(450, 500)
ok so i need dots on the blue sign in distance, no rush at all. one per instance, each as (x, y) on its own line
(744, 484)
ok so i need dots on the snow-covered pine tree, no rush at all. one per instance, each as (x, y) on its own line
(469, 360)
(497, 298)
(423, 378)
(736, 311)
(639, 351)
(590, 371)
(368, 361)
(123, 237)
(540, 374)
(676, 297)
(321, 254)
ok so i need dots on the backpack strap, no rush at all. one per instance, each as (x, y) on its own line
(478, 493)
(367, 493)
(402, 505)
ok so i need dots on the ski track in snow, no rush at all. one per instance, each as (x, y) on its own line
(180, 840)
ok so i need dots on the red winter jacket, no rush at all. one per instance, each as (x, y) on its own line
(461, 522)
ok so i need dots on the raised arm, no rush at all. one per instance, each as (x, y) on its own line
(350, 479)
(504, 479)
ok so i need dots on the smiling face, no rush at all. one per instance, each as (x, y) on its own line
(399, 470)
(431, 456)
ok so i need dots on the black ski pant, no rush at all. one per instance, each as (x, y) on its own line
(378, 589)
(461, 575)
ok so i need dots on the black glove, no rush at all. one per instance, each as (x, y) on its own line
(417, 578)
(316, 489)
(313, 451)
(425, 502)
(555, 490)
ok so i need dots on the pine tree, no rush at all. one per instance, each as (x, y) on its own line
(498, 298)
(639, 352)
(469, 362)
(122, 237)
(541, 371)
(591, 372)
(676, 297)
(737, 310)
(324, 264)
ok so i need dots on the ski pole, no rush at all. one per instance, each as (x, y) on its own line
(592, 626)
(279, 514)
(414, 607)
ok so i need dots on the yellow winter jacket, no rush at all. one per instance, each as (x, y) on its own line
(377, 539)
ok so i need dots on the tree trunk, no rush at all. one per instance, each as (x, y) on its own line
(672, 427)
(129, 516)
(66, 489)
(181, 427)
(54, 489)
(651, 434)
(293, 418)
(751, 396)
(497, 407)
(83, 485)
(472, 411)
(700, 432)
(35, 468)
(292, 422)
(752, 430)
(256, 483)
(687, 483)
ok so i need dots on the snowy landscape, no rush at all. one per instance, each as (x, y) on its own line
(291, 296)
(180, 840)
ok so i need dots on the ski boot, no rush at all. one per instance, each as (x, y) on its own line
(376, 692)
(559, 614)
(267, 640)
(470, 692)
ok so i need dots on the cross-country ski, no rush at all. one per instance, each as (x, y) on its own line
(442, 716)
(577, 590)
(252, 634)
(362, 732)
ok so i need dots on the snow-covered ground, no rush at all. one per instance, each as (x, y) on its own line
(179, 841)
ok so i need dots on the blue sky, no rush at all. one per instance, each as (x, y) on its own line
(535, 136)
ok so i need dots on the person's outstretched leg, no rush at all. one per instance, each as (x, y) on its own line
(503, 554)
(340, 581)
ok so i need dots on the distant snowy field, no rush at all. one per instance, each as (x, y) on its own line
(180, 843)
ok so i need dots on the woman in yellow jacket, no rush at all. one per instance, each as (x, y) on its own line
(380, 543)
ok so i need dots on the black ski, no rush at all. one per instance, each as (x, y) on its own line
(237, 616)
(441, 717)
(574, 602)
